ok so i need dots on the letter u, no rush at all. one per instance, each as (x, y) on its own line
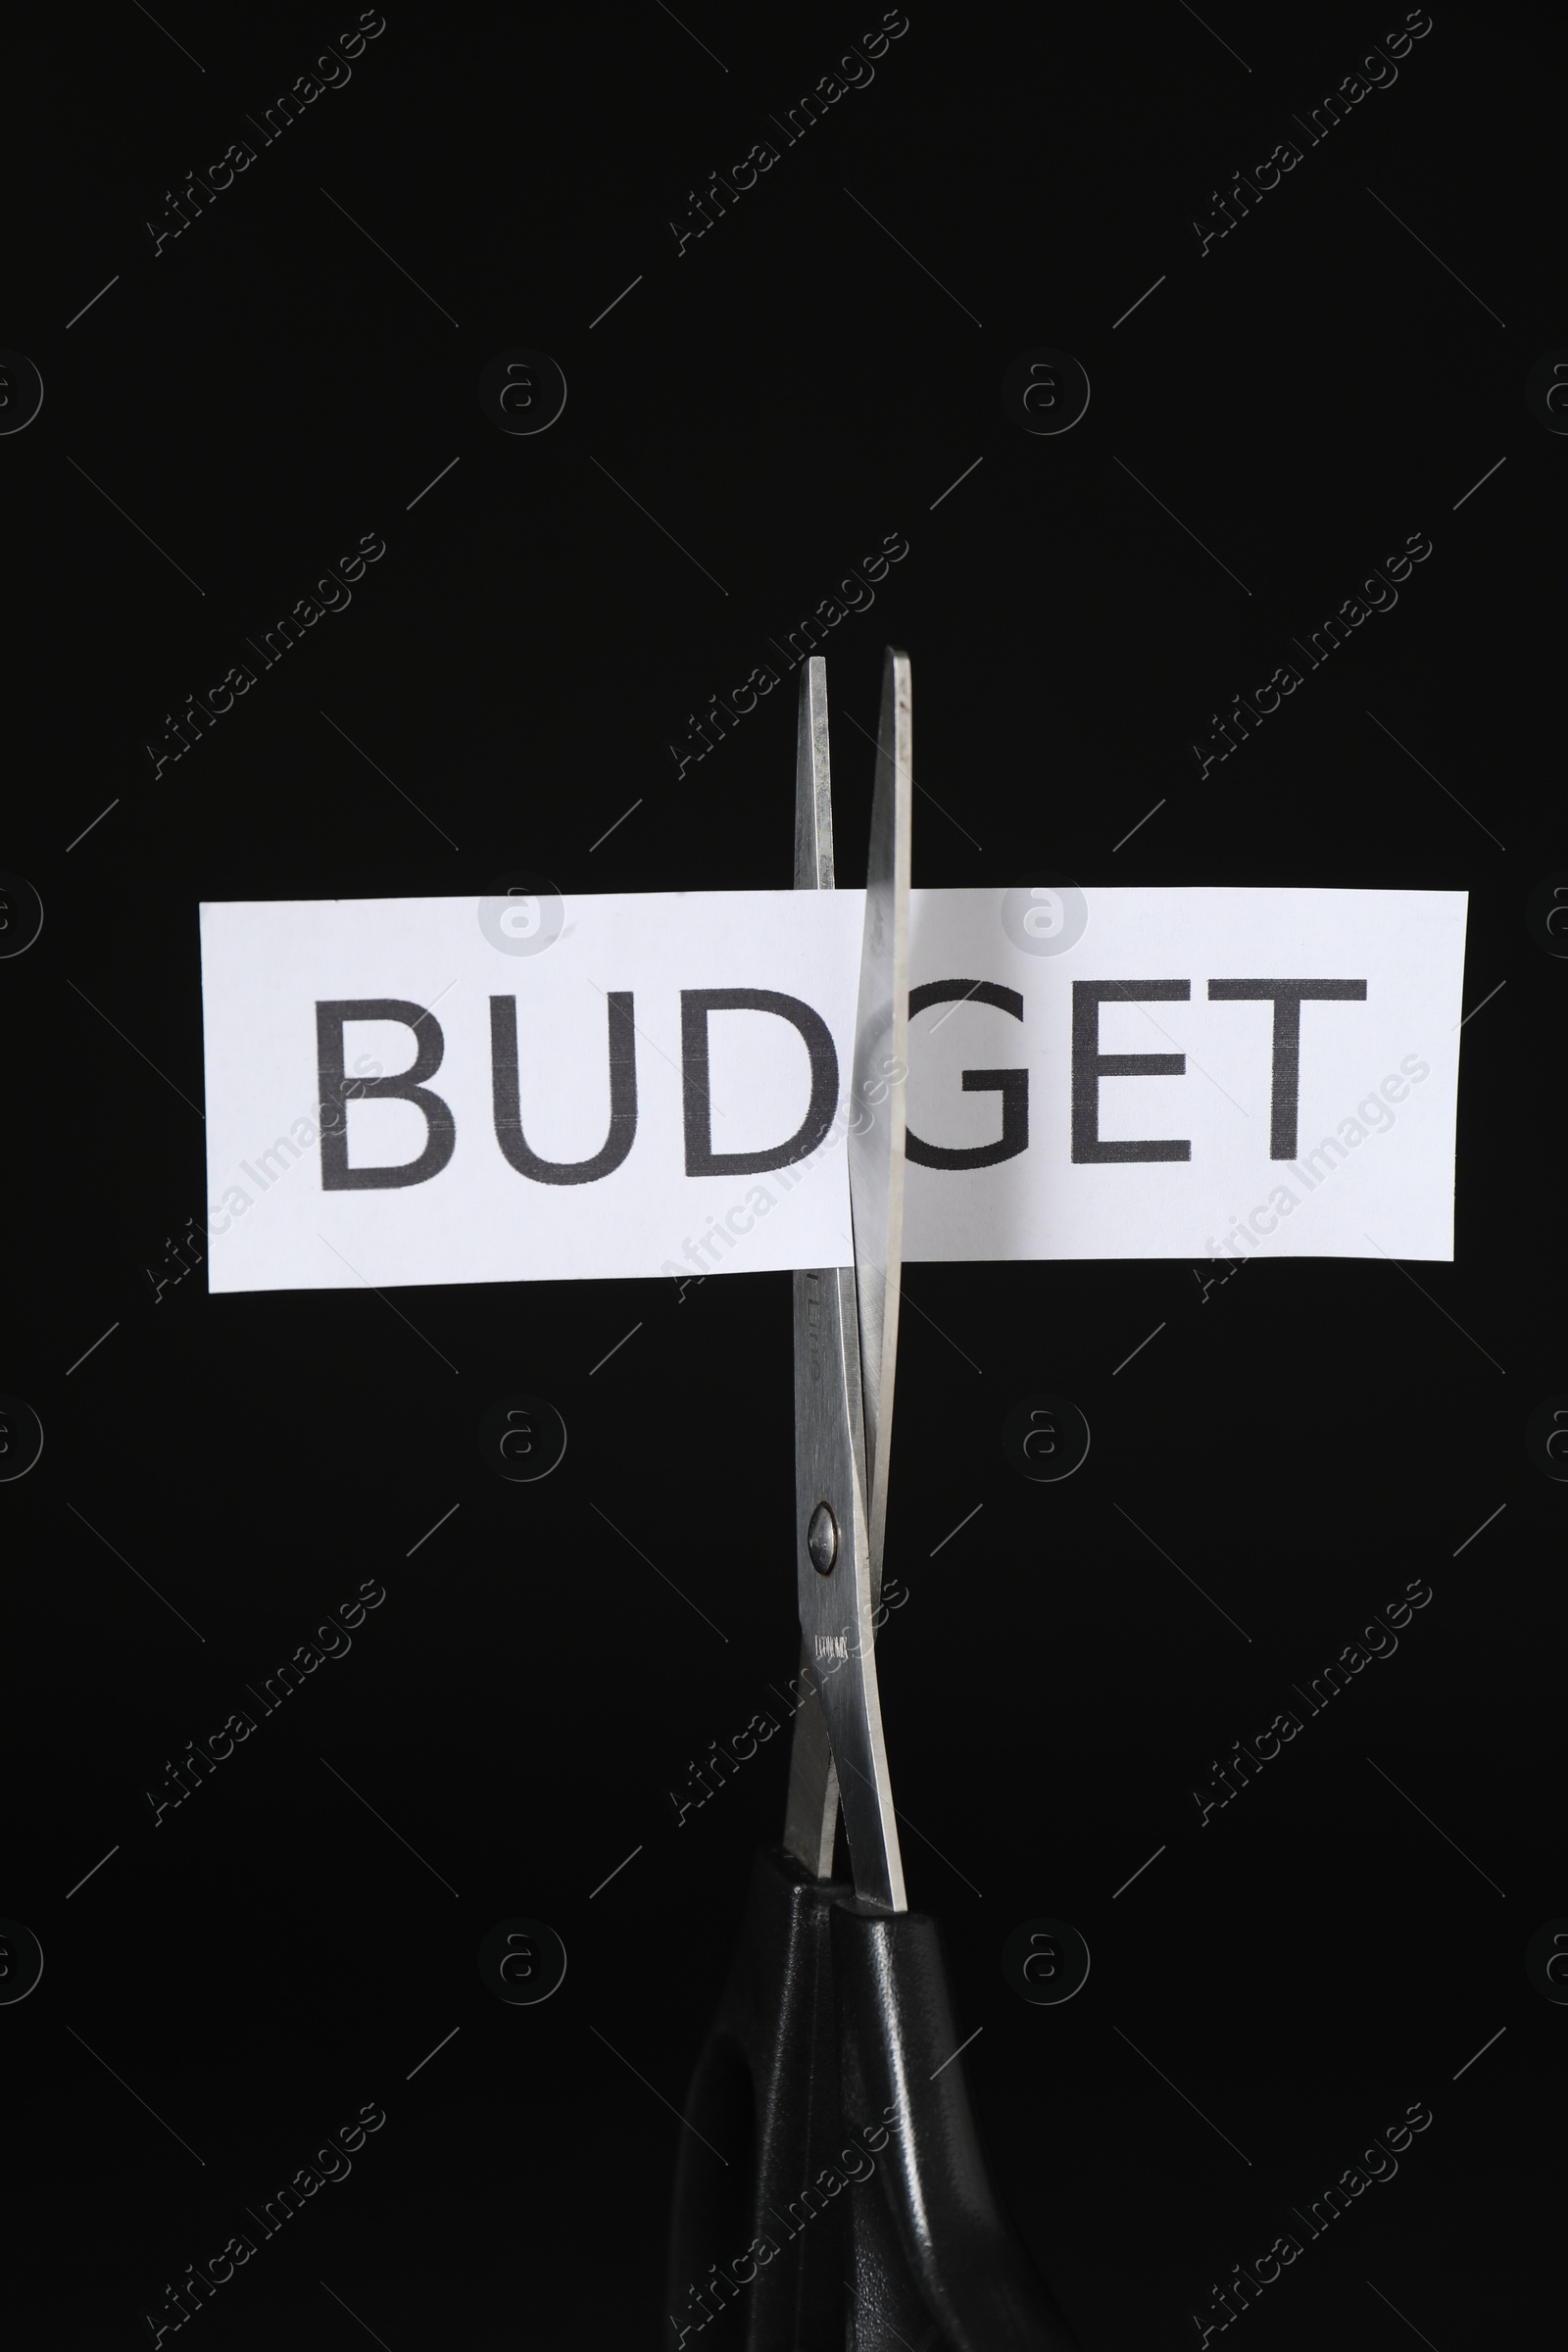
(507, 1109)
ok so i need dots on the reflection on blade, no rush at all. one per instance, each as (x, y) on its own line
(876, 1131)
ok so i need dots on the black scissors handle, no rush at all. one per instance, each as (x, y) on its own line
(853, 2210)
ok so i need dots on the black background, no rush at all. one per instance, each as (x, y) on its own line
(1309, 392)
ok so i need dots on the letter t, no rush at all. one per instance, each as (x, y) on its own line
(1286, 997)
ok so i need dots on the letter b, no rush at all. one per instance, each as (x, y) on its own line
(337, 1089)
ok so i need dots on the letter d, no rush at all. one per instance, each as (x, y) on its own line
(696, 1004)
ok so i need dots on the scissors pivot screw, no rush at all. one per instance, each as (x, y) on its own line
(823, 1541)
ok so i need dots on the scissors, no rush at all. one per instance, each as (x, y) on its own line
(862, 2216)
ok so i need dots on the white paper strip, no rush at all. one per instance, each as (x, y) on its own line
(1305, 1107)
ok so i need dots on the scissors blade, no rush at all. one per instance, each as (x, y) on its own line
(876, 1133)
(838, 1755)
(833, 1577)
(813, 789)
(811, 1810)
